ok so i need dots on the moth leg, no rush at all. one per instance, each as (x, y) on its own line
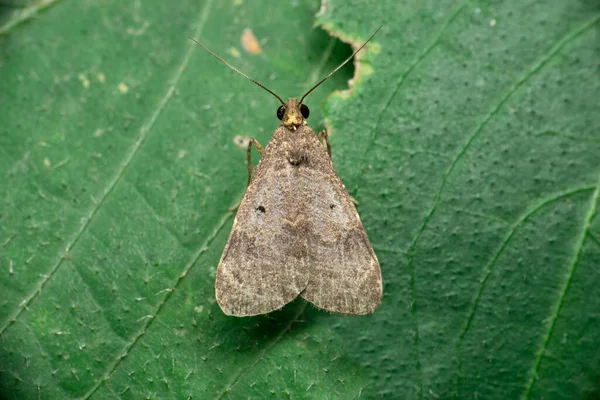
(260, 150)
(323, 136)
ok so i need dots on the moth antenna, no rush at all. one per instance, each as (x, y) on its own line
(340, 66)
(238, 71)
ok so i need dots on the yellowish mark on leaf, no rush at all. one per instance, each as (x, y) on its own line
(84, 81)
(123, 88)
(250, 43)
(234, 52)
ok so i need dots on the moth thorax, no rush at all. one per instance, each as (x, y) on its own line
(296, 158)
(295, 153)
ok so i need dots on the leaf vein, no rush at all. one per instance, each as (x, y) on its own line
(532, 71)
(402, 78)
(150, 320)
(372, 142)
(490, 264)
(563, 292)
(262, 355)
(157, 217)
(95, 302)
(26, 14)
(570, 36)
(594, 237)
(143, 134)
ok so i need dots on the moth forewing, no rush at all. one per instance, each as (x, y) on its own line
(344, 273)
(260, 270)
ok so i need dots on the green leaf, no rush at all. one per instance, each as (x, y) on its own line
(470, 138)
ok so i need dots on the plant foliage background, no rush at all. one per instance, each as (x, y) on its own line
(470, 137)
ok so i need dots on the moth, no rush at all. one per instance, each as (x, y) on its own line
(296, 232)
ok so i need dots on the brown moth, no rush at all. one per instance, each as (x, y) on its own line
(296, 232)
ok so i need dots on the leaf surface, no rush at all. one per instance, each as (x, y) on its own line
(474, 152)
(470, 139)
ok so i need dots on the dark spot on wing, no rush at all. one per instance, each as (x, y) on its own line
(261, 209)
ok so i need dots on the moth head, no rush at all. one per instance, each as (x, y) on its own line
(292, 115)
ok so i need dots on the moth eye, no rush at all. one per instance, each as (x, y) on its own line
(304, 110)
(280, 112)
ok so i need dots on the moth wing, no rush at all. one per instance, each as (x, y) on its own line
(263, 266)
(344, 271)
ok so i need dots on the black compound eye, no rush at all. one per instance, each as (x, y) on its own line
(304, 110)
(280, 112)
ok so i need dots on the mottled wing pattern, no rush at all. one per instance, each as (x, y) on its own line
(344, 272)
(301, 235)
(264, 264)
